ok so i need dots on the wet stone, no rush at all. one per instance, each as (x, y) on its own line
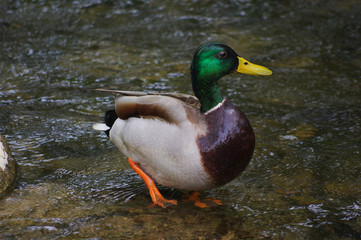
(8, 168)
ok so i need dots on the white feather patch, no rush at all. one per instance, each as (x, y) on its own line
(215, 107)
(100, 127)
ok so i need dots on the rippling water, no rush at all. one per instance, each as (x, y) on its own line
(304, 179)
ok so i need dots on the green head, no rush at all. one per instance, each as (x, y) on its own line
(212, 61)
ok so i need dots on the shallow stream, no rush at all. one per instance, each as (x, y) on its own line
(304, 181)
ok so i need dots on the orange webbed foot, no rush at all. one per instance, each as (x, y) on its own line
(156, 196)
(204, 203)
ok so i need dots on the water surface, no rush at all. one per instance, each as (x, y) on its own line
(304, 179)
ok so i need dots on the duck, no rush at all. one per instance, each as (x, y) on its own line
(186, 142)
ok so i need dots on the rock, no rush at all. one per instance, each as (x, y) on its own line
(8, 168)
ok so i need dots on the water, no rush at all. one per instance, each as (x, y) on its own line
(304, 179)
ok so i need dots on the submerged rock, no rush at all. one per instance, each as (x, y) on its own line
(8, 168)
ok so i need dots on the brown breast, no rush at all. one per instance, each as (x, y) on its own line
(228, 145)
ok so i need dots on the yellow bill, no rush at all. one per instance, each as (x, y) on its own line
(253, 69)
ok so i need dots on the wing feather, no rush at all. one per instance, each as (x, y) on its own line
(186, 98)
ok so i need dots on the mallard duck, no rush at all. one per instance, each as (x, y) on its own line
(181, 141)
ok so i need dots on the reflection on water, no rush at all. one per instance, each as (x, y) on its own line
(304, 179)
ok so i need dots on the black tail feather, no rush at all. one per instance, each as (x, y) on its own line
(109, 119)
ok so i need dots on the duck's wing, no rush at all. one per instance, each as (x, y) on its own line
(173, 108)
(186, 98)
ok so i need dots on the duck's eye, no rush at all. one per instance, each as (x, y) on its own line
(245, 63)
(222, 54)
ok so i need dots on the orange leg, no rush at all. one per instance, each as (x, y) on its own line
(153, 190)
(205, 203)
